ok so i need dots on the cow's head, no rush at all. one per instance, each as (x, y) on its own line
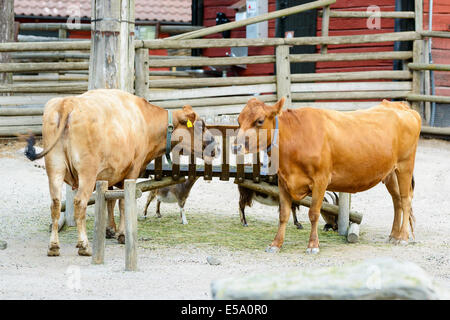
(256, 122)
(190, 130)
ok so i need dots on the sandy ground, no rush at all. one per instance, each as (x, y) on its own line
(179, 273)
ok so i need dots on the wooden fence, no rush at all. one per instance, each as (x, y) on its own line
(63, 66)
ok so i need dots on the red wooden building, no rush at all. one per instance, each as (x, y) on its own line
(338, 26)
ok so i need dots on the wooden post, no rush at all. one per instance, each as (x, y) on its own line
(112, 49)
(417, 74)
(130, 225)
(325, 27)
(6, 35)
(283, 66)
(98, 255)
(69, 213)
(126, 79)
(344, 213)
(142, 72)
(418, 10)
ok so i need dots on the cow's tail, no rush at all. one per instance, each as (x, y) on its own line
(412, 218)
(64, 109)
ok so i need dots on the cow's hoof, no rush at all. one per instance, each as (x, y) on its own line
(86, 252)
(327, 227)
(184, 222)
(402, 243)
(299, 226)
(245, 225)
(121, 238)
(312, 250)
(110, 233)
(272, 249)
(53, 250)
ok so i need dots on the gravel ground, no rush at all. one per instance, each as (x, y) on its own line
(184, 273)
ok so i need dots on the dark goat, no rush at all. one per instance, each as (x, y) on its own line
(246, 197)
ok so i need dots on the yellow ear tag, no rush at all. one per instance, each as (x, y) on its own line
(189, 124)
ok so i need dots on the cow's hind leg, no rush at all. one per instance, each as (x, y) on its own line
(294, 216)
(85, 189)
(111, 229)
(56, 179)
(405, 182)
(392, 186)
(318, 192)
(121, 231)
(151, 196)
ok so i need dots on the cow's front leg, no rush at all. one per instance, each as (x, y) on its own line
(285, 210)
(111, 228)
(318, 192)
(121, 231)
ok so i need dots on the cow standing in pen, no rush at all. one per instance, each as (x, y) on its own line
(321, 150)
(105, 134)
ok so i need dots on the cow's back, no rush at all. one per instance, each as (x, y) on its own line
(105, 128)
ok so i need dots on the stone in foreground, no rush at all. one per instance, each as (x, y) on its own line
(381, 278)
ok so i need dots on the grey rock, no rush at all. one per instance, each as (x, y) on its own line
(213, 261)
(381, 278)
(3, 245)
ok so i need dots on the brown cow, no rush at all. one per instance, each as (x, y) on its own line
(321, 150)
(103, 134)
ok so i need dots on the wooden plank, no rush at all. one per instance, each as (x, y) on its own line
(259, 18)
(50, 77)
(20, 121)
(263, 42)
(326, 207)
(130, 225)
(42, 88)
(389, 55)
(435, 34)
(149, 185)
(355, 39)
(256, 167)
(365, 14)
(338, 106)
(418, 10)
(436, 130)
(208, 102)
(44, 46)
(325, 27)
(28, 100)
(347, 76)
(225, 176)
(175, 165)
(126, 46)
(141, 82)
(350, 86)
(98, 255)
(423, 97)
(11, 131)
(158, 168)
(349, 95)
(159, 63)
(192, 165)
(283, 68)
(429, 66)
(43, 66)
(155, 95)
(210, 82)
(417, 75)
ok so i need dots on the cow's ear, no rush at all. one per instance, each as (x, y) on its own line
(187, 114)
(277, 107)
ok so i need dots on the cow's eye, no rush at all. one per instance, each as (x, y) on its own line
(259, 122)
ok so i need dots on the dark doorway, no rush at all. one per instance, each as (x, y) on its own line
(303, 24)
